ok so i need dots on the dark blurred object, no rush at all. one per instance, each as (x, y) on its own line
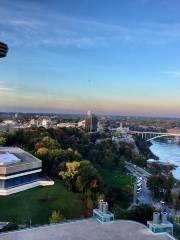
(3, 50)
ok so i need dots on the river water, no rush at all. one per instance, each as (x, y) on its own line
(167, 152)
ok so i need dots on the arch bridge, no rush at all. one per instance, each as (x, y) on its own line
(148, 136)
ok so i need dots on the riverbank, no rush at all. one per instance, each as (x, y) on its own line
(167, 152)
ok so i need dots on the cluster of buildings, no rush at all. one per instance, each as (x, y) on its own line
(41, 122)
(10, 124)
(121, 134)
(90, 123)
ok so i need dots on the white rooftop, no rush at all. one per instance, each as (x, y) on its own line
(8, 158)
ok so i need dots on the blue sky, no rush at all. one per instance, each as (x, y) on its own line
(118, 56)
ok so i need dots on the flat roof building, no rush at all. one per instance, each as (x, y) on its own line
(87, 229)
(19, 170)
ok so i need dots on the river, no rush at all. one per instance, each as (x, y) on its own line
(167, 152)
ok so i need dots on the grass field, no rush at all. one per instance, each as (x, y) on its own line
(37, 204)
(122, 181)
(116, 178)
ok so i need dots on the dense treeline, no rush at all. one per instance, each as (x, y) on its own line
(144, 148)
(78, 158)
(58, 146)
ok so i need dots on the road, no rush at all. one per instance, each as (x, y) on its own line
(137, 171)
(145, 196)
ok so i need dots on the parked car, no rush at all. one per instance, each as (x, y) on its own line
(139, 182)
(139, 178)
(138, 191)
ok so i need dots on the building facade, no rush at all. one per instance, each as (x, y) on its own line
(91, 122)
(19, 171)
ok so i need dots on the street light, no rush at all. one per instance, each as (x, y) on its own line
(3, 49)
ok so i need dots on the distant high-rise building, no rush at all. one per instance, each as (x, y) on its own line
(16, 115)
(90, 122)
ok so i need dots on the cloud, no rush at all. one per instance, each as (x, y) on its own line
(5, 88)
(33, 24)
(174, 74)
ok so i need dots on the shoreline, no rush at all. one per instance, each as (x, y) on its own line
(168, 153)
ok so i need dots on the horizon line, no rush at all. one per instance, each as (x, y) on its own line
(97, 113)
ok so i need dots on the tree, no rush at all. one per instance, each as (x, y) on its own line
(70, 173)
(144, 148)
(137, 159)
(122, 164)
(42, 152)
(10, 227)
(89, 204)
(56, 217)
(141, 213)
(109, 160)
(176, 201)
(157, 168)
(119, 212)
(49, 142)
(2, 141)
(161, 185)
(157, 184)
(88, 177)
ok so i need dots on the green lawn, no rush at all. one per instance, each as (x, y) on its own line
(121, 181)
(37, 204)
(116, 178)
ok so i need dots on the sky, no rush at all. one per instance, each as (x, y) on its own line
(109, 56)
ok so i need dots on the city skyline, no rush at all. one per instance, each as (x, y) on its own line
(113, 57)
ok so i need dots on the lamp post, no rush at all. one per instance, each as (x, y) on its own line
(3, 49)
